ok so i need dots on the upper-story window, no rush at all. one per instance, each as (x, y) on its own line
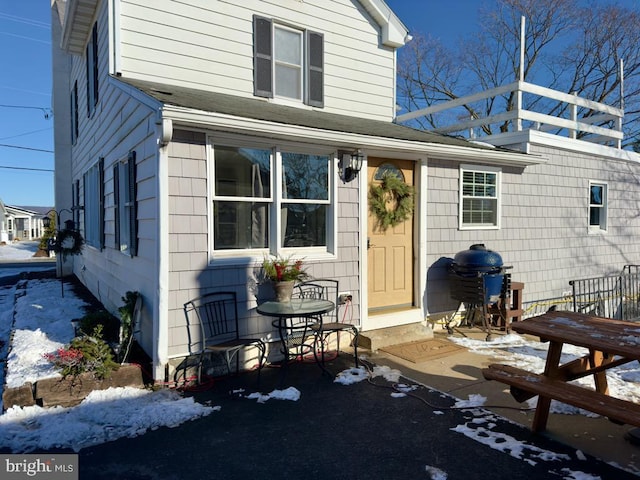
(266, 199)
(288, 62)
(479, 197)
(92, 71)
(597, 206)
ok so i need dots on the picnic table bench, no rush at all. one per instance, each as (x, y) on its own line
(610, 343)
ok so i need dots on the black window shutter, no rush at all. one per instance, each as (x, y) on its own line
(101, 202)
(76, 215)
(74, 114)
(133, 211)
(89, 77)
(116, 206)
(315, 69)
(262, 57)
(84, 199)
(94, 35)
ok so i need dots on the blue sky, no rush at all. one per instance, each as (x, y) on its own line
(26, 136)
(25, 56)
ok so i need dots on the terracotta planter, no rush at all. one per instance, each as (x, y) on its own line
(283, 290)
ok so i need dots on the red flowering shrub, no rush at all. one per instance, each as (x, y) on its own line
(70, 361)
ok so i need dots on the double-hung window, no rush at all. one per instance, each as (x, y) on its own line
(597, 207)
(270, 200)
(479, 197)
(288, 62)
(125, 205)
(91, 58)
(94, 205)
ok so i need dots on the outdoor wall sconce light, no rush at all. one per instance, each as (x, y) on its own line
(350, 165)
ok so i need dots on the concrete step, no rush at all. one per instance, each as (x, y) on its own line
(383, 337)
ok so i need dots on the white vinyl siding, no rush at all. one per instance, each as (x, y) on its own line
(358, 75)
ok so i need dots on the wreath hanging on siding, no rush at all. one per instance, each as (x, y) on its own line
(391, 201)
(68, 242)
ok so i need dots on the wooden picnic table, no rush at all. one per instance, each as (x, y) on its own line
(609, 342)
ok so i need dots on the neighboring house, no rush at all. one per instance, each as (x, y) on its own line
(20, 223)
(4, 223)
(194, 138)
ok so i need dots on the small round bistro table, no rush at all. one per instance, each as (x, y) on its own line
(297, 321)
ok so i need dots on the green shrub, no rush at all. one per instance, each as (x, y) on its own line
(110, 325)
(86, 353)
(96, 354)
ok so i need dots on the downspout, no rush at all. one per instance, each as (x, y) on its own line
(164, 129)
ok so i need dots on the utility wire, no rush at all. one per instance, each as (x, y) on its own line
(47, 111)
(31, 169)
(28, 21)
(25, 133)
(26, 148)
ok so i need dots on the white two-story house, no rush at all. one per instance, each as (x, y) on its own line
(193, 139)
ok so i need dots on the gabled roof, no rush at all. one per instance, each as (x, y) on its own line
(28, 211)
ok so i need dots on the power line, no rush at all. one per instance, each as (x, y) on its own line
(26, 148)
(47, 111)
(26, 133)
(31, 169)
(28, 21)
(46, 42)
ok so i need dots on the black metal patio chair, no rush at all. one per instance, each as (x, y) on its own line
(329, 323)
(212, 322)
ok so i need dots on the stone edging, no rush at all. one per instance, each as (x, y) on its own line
(70, 391)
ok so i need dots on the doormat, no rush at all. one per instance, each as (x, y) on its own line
(423, 350)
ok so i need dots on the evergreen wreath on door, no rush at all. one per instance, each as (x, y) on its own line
(391, 201)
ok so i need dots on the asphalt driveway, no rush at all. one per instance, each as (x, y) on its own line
(366, 430)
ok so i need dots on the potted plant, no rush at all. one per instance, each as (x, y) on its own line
(283, 272)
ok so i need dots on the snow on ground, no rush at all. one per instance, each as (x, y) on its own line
(624, 381)
(42, 324)
(20, 252)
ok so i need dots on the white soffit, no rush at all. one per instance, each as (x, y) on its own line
(79, 16)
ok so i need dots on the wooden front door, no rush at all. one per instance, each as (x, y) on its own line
(390, 251)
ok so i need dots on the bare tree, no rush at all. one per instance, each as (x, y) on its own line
(572, 46)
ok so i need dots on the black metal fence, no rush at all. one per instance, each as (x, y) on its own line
(611, 296)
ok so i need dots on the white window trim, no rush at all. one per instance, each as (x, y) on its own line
(480, 168)
(595, 229)
(301, 66)
(235, 257)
